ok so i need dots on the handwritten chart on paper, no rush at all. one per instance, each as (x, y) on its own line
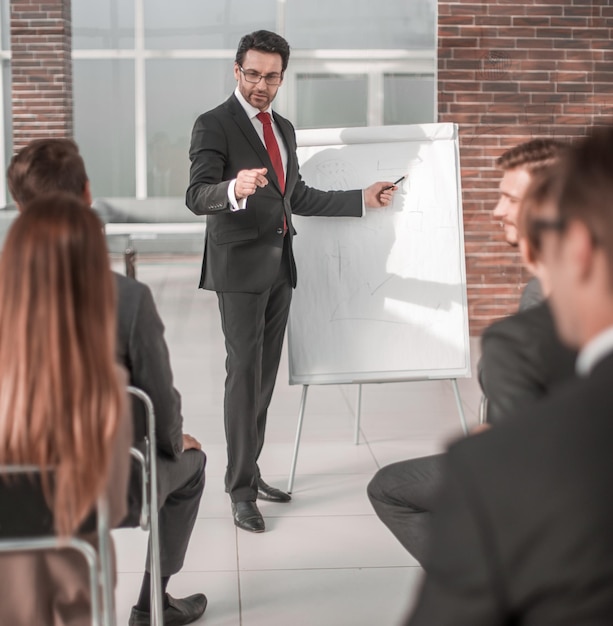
(383, 297)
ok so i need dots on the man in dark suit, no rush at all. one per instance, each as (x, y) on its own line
(523, 531)
(47, 165)
(521, 360)
(244, 177)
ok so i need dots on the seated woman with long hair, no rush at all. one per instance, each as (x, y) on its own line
(63, 402)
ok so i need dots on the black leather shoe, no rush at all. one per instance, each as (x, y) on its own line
(272, 494)
(179, 611)
(248, 517)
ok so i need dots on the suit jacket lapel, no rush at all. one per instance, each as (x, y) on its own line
(292, 162)
(244, 123)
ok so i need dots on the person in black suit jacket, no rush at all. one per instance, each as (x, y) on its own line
(47, 165)
(523, 530)
(250, 194)
(521, 360)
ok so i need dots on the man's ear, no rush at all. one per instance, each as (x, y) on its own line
(87, 194)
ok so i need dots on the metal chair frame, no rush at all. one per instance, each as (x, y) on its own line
(149, 520)
(483, 410)
(98, 561)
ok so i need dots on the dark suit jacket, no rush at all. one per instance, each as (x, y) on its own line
(243, 248)
(522, 359)
(532, 295)
(524, 533)
(142, 349)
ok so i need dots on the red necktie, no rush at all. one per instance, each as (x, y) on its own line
(272, 147)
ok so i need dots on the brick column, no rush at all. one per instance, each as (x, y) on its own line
(509, 71)
(41, 67)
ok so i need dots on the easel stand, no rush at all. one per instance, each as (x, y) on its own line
(358, 416)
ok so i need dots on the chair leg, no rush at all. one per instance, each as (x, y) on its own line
(155, 569)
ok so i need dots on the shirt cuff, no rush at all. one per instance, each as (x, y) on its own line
(238, 205)
(363, 204)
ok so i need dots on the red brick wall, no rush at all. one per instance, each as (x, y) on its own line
(41, 70)
(509, 71)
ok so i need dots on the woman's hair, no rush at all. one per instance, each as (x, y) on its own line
(60, 395)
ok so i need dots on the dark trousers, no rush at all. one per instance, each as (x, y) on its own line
(253, 326)
(404, 495)
(180, 487)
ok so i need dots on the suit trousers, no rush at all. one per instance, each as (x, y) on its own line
(180, 487)
(253, 326)
(404, 495)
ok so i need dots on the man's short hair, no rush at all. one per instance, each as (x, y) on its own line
(586, 189)
(532, 155)
(544, 190)
(263, 41)
(46, 165)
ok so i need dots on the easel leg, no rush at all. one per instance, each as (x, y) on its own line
(458, 399)
(358, 416)
(290, 484)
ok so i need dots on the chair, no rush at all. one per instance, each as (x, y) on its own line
(27, 523)
(149, 508)
(483, 410)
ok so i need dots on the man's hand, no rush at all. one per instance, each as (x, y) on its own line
(190, 443)
(481, 428)
(247, 181)
(379, 194)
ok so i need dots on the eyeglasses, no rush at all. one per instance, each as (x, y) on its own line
(255, 77)
(537, 226)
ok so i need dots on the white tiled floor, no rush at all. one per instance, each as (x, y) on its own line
(325, 559)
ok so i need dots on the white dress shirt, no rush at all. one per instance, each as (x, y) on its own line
(252, 112)
(595, 350)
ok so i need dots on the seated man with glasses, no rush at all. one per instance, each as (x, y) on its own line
(522, 534)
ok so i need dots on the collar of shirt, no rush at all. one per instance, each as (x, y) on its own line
(251, 112)
(594, 350)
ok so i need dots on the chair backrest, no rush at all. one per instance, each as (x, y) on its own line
(483, 410)
(27, 523)
(147, 461)
(24, 510)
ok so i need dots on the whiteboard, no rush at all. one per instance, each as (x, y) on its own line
(381, 298)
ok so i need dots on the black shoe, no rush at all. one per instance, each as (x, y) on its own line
(248, 517)
(272, 494)
(179, 611)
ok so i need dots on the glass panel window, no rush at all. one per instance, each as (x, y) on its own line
(210, 24)
(7, 121)
(5, 24)
(178, 91)
(408, 99)
(103, 24)
(104, 124)
(331, 101)
(361, 24)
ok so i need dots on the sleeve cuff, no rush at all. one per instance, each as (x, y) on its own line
(239, 205)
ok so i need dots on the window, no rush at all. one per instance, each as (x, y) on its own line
(145, 69)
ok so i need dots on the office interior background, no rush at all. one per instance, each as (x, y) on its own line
(138, 72)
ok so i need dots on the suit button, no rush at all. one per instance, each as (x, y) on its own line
(279, 231)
